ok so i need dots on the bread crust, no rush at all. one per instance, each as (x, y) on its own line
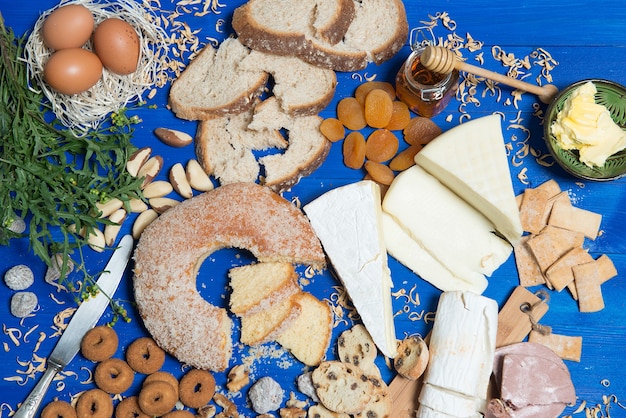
(172, 248)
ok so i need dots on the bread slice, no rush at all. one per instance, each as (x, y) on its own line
(302, 89)
(307, 148)
(267, 324)
(308, 337)
(377, 31)
(295, 21)
(255, 287)
(210, 85)
(224, 147)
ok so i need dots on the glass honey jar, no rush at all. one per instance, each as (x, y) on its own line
(426, 93)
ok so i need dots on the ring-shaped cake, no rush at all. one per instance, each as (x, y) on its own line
(172, 248)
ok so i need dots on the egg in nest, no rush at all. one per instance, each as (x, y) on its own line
(117, 45)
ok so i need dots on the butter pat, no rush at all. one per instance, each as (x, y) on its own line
(348, 222)
(587, 126)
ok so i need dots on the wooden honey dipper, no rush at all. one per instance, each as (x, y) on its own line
(443, 61)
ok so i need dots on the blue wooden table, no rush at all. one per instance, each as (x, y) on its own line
(581, 39)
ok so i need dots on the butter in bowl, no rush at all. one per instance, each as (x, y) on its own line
(584, 129)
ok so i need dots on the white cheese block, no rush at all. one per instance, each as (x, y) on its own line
(347, 221)
(471, 160)
(413, 255)
(462, 349)
(435, 400)
(457, 235)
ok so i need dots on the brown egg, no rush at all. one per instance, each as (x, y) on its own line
(117, 45)
(72, 71)
(67, 27)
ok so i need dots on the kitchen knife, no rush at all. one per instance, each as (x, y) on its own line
(85, 317)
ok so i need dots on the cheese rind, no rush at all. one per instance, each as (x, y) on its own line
(347, 220)
(471, 160)
(457, 235)
(413, 255)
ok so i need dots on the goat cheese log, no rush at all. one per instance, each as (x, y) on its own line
(462, 349)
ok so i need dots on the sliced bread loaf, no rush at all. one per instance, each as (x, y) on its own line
(307, 148)
(308, 337)
(377, 31)
(255, 287)
(267, 324)
(224, 147)
(210, 85)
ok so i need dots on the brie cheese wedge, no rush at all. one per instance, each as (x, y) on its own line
(471, 160)
(347, 220)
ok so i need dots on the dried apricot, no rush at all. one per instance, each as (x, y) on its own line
(405, 158)
(350, 113)
(420, 130)
(363, 89)
(381, 145)
(400, 116)
(332, 129)
(378, 108)
(380, 173)
(354, 150)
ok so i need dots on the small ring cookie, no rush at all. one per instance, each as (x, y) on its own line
(58, 409)
(157, 398)
(99, 343)
(145, 356)
(95, 403)
(114, 376)
(196, 388)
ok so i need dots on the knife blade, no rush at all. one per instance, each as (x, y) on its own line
(85, 318)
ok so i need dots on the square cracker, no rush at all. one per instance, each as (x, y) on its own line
(565, 346)
(532, 210)
(575, 219)
(606, 268)
(527, 268)
(587, 280)
(560, 273)
(552, 243)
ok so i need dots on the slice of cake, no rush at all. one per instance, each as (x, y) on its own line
(256, 287)
(266, 325)
(308, 337)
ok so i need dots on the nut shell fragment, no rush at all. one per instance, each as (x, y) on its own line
(137, 160)
(161, 204)
(179, 181)
(143, 220)
(150, 170)
(173, 137)
(198, 178)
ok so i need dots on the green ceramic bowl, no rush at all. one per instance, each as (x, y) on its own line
(613, 96)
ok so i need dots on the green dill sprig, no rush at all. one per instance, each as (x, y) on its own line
(51, 177)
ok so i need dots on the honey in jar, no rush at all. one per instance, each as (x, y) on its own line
(426, 93)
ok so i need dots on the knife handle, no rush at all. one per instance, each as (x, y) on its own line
(29, 407)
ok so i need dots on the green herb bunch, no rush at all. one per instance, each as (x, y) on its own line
(50, 176)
